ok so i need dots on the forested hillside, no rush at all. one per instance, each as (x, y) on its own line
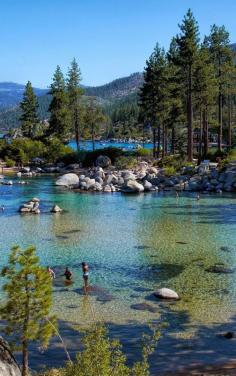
(111, 96)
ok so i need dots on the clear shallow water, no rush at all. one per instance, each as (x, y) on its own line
(133, 245)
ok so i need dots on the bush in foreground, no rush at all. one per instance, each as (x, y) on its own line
(104, 357)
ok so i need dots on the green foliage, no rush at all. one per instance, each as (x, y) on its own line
(28, 289)
(9, 162)
(125, 162)
(57, 151)
(60, 117)
(28, 106)
(74, 93)
(102, 356)
(170, 170)
(142, 152)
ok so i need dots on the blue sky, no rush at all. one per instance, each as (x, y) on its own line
(109, 38)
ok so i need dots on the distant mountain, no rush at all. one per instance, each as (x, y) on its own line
(118, 88)
(11, 94)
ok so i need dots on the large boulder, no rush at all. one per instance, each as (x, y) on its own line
(8, 364)
(165, 293)
(103, 161)
(68, 180)
(147, 186)
(128, 175)
(132, 186)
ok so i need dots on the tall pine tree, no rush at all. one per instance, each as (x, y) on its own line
(75, 92)
(59, 123)
(28, 106)
(221, 54)
(188, 43)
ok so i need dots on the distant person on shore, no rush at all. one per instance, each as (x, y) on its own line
(198, 197)
(51, 272)
(85, 270)
(176, 194)
(2, 208)
(68, 274)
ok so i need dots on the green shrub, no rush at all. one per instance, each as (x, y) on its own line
(101, 356)
(169, 170)
(9, 162)
(124, 162)
(142, 152)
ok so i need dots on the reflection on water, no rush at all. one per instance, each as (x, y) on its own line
(134, 244)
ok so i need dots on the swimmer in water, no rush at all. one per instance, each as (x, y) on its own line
(85, 270)
(68, 274)
(51, 272)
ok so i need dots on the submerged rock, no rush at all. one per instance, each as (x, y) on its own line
(165, 293)
(144, 307)
(219, 269)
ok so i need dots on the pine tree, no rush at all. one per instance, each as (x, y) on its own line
(205, 88)
(188, 43)
(28, 106)
(154, 96)
(175, 117)
(93, 120)
(75, 92)
(59, 123)
(221, 54)
(28, 291)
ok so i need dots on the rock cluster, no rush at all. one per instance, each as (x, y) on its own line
(31, 206)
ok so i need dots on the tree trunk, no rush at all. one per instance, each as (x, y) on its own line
(163, 141)
(154, 142)
(190, 116)
(25, 358)
(173, 139)
(205, 132)
(166, 141)
(200, 137)
(220, 110)
(77, 130)
(220, 105)
(229, 122)
(93, 137)
(158, 140)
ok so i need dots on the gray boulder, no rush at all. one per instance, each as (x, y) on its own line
(128, 175)
(103, 161)
(107, 189)
(147, 186)
(8, 364)
(132, 186)
(68, 180)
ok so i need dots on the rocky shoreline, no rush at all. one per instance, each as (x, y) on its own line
(147, 178)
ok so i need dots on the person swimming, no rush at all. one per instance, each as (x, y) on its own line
(68, 274)
(85, 269)
(51, 272)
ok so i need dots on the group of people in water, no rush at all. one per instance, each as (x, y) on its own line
(68, 275)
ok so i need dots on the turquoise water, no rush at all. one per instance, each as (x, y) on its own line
(134, 245)
(87, 145)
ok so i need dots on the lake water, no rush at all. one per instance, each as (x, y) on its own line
(134, 244)
(87, 145)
